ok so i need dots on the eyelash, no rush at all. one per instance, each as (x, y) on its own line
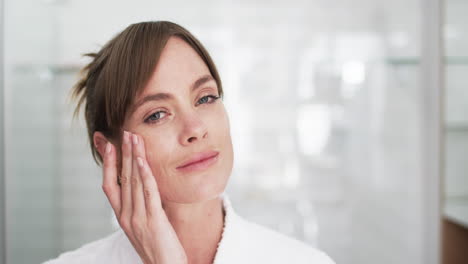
(149, 121)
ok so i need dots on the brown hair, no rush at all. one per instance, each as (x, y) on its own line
(121, 69)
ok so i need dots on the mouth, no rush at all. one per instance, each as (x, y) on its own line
(199, 161)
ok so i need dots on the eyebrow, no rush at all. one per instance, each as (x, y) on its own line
(166, 96)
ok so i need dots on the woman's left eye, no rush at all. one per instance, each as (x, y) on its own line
(155, 117)
(207, 99)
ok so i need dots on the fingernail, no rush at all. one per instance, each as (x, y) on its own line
(108, 147)
(126, 137)
(135, 139)
(140, 162)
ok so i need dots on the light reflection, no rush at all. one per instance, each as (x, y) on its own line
(46, 75)
(291, 173)
(398, 39)
(313, 127)
(353, 72)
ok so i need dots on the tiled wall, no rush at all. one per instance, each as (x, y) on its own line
(323, 99)
(456, 103)
(456, 124)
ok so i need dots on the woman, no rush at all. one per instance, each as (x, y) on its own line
(156, 124)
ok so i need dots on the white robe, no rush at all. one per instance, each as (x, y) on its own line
(241, 242)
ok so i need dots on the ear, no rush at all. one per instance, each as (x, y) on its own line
(100, 142)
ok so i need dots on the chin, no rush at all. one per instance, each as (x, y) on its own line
(202, 191)
(198, 188)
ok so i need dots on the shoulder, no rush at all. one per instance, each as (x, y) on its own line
(113, 248)
(283, 248)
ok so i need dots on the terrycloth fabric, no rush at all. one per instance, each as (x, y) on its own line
(241, 242)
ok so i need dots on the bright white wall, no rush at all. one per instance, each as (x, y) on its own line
(324, 101)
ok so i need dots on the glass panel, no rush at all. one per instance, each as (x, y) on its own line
(324, 102)
(32, 209)
(456, 107)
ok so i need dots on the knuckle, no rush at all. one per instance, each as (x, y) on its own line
(106, 165)
(106, 189)
(147, 193)
(134, 180)
(124, 179)
(125, 224)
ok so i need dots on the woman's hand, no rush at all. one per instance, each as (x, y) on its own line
(137, 204)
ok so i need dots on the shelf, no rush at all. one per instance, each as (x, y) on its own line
(409, 61)
(456, 127)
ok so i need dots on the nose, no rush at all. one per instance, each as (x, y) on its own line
(194, 129)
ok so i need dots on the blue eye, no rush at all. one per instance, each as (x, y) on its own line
(155, 117)
(159, 115)
(205, 99)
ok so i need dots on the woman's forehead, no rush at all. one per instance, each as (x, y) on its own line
(178, 68)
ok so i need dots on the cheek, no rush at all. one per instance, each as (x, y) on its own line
(159, 150)
(222, 135)
(222, 127)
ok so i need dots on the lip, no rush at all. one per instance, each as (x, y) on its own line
(199, 161)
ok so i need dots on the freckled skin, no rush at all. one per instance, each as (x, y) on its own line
(167, 143)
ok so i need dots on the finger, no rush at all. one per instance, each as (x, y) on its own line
(150, 187)
(137, 187)
(109, 183)
(126, 197)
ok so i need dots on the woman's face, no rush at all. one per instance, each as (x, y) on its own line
(179, 118)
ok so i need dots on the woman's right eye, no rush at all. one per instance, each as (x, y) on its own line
(155, 117)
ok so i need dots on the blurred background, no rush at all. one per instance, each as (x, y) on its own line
(348, 121)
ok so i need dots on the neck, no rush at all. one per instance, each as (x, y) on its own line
(198, 226)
